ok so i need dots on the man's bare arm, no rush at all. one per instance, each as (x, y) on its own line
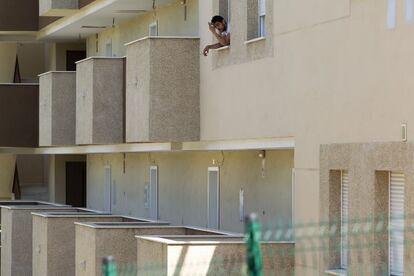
(212, 46)
(216, 46)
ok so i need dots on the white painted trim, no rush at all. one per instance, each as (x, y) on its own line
(136, 147)
(249, 144)
(255, 40)
(222, 48)
(213, 169)
(55, 72)
(155, 215)
(160, 37)
(98, 57)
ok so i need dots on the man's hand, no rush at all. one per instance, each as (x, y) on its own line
(206, 50)
(211, 27)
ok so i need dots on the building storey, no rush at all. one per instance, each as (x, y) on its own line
(304, 118)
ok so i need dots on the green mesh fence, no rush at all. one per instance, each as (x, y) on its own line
(315, 245)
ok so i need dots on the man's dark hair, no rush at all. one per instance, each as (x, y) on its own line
(217, 18)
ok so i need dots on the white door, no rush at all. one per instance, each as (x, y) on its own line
(153, 186)
(107, 189)
(344, 218)
(213, 199)
(396, 223)
(108, 49)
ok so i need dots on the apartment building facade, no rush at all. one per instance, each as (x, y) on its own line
(304, 118)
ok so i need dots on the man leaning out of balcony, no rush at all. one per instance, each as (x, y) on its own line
(218, 27)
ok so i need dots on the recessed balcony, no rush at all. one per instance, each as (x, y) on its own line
(162, 92)
(57, 114)
(100, 93)
(19, 115)
(19, 15)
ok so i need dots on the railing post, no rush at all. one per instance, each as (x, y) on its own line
(108, 266)
(254, 253)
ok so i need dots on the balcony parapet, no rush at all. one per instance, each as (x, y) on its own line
(57, 113)
(100, 100)
(162, 89)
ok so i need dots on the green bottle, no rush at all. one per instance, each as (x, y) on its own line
(254, 253)
(108, 266)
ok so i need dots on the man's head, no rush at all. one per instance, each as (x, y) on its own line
(219, 22)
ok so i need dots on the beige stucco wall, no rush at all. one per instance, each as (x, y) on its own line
(152, 73)
(183, 185)
(170, 23)
(337, 75)
(100, 90)
(57, 107)
(368, 166)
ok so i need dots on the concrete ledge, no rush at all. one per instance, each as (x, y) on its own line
(336, 272)
(254, 40)
(224, 48)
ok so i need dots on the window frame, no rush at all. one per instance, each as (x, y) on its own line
(344, 234)
(261, 24)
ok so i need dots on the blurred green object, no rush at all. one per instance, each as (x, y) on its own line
(254, 253)
(108, 266)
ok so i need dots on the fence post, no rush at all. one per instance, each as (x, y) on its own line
(254, 253)
(108, 266)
